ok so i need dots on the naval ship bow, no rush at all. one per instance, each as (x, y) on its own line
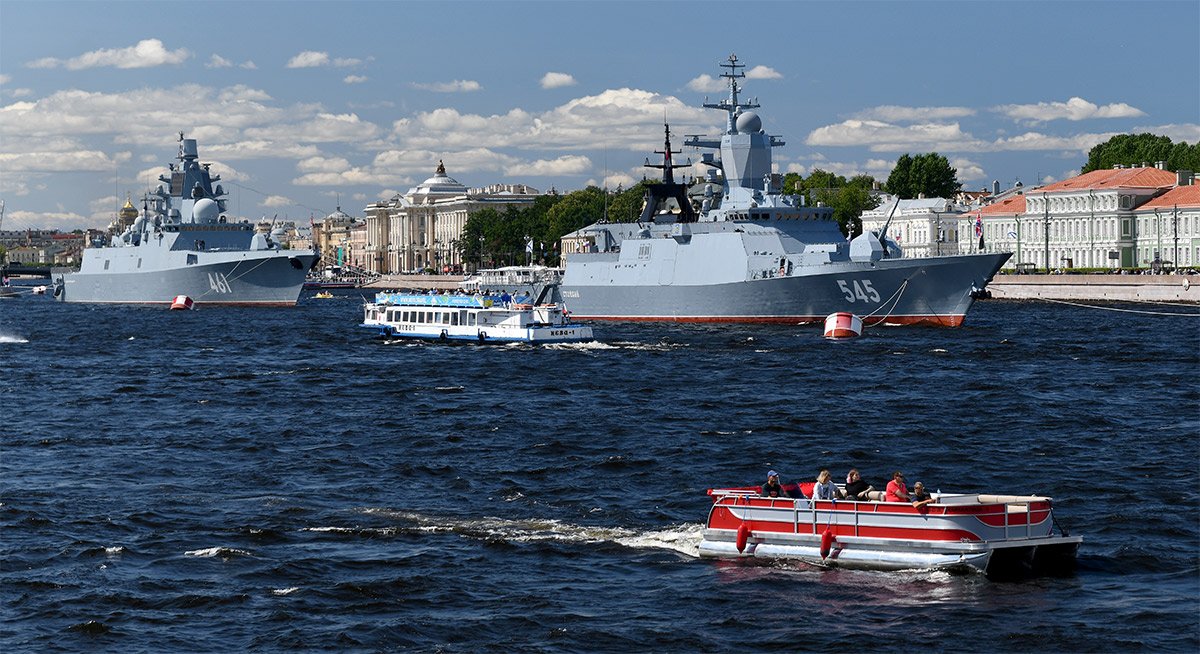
(183, 243)
(737, 249)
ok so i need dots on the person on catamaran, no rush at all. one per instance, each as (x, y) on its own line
(857, 488)
(773, 488)
(920, 496)
(896, 490)
(825, 489)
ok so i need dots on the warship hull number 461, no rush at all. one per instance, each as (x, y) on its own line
(183, 244)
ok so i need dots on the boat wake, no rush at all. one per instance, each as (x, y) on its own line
(597, 346)
(9, 338)
(684, 539)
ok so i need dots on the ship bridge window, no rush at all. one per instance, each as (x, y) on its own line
(191, 260)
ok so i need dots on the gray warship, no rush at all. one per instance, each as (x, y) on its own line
(184, 244)
(749, 253)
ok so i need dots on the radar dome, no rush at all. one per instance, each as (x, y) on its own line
(205, 211)
(749, 122)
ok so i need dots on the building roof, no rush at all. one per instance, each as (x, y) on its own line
(1182, 196)
(439, 184)
(1011, 205)
(1110, 178)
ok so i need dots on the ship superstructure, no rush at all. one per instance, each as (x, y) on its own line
(744, 251)
(183, 243)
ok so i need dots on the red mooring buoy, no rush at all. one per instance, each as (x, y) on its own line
(843, 325)
(743, 535)
(827, 539)
(181, 303)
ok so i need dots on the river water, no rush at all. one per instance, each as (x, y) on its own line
(237, 479)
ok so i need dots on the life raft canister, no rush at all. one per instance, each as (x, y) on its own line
(843, 325)
(743, 534)
(181, 303)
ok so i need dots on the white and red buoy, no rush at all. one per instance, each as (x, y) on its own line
(843, 325)
(181, 303)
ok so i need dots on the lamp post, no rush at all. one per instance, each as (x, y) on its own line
(937, 218)
(1017, 218)
(1158, 240)
(1046, 236)
(1175, 260)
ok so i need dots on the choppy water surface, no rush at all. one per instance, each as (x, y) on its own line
(235, 479)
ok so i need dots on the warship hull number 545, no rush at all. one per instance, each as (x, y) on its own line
(749, 253)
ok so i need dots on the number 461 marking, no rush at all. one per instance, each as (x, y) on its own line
(862, 290)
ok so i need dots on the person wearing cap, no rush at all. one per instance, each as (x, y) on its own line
(896, 490)
(773, 488)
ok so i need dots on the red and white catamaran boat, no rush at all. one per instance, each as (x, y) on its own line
(1001, 535)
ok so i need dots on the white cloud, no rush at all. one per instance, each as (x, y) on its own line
(1073, 109)
(893, 113)
(309, 59)
(62, 221)
(968, 170)
(274, 201)
(5, 79)
(616, 180)
(217, 61)
(322, 164)
(47, 161)
(879, 136)
(354, 79)
(457, 86)
(322, 128)
(557, 80)
(763, 72)
(346, 62)
(565, 165)
(1187, 132)
(1038, 141)
(146, 54)
(627, 119)
(707, 84)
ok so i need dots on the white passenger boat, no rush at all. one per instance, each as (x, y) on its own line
(1000, 535)
(482, 319)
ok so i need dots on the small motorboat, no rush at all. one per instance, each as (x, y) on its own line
(39, 290)
(323, 295)
(481, 319)
(999, 535)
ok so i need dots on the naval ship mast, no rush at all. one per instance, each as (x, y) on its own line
(745, 152)
(659, 196)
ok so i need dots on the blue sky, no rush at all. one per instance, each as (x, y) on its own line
(300, 104)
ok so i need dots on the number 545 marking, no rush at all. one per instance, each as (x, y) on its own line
(858, 290)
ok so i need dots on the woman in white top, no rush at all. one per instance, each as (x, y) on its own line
(825, 489)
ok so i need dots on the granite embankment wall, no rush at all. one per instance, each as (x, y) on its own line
(416, 282)
(1131, 288)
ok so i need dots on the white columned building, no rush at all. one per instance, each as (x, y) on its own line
(924, 227)
(420, 229)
